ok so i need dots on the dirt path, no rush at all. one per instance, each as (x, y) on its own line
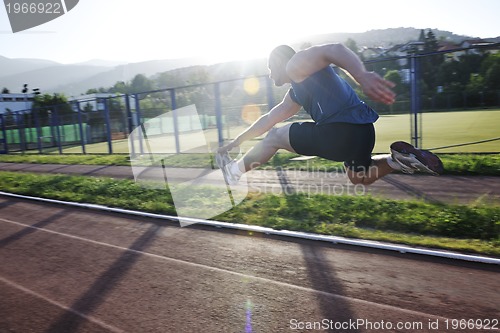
(446, 189)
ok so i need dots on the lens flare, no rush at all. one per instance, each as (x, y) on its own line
(250, 113)
(251, 85)
(248, 325)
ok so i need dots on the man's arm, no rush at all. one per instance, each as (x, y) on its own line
(309, 61)
(280, 112)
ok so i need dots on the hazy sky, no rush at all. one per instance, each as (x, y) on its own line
(133, 30)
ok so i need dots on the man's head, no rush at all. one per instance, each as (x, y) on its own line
(278, 59)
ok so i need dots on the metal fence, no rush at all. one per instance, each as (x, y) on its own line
(225, 108)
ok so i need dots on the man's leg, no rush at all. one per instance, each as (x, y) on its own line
(277, 138)
(378, 169)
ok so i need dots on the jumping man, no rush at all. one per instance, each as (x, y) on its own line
(342, 127)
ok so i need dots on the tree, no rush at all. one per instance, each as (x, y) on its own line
(490, 69)
(120, 87)
(476, 84)
(91, 91)
(393, 76)
(46, 105)
(448, 76)
(140, 83)
(489, 61)
(430, 44)
(421, 38)
(431, 63)
(5, 91)
(351, 44)
(492, 77)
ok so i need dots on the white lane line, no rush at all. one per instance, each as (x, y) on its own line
(270, 231)
(62, 306)
(225, 271)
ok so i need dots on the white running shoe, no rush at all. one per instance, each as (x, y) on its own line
(222, 159)
(412, 159)
(225, 163)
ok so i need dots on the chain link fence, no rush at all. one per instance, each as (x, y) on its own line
(437, 116)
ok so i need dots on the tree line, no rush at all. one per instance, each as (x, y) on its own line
(470, 80)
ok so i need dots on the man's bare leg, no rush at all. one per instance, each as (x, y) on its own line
(277, 138)
(379, 168)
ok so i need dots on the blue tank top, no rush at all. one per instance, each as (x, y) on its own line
(328, 98)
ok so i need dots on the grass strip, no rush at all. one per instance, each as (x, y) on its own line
(94, 190)
(455, 164)
(67, 159)
(471, 229)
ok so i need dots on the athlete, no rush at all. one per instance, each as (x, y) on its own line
(342, 127)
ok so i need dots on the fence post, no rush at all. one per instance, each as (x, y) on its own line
(20, 129)
(176, 124)
(218, 113)
(138, 116)
(130, 123)
(80, 127)
(39, 130)
(415, 119)
(5, 149)
(55, 119)
(108, 125)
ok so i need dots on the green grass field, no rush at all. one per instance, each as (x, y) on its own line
(444, 129)
(439, 129)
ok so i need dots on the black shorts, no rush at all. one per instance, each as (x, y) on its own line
(342, 142)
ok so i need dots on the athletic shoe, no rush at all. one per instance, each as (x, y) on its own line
(412, 159)
(225, 163)
(222, 159)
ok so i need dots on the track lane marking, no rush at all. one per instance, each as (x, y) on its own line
(61, 306)
(270, 231)
(225, 271)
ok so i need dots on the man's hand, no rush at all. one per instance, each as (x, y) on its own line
(228, 147)
(377, 88)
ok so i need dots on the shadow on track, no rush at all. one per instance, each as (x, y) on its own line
(323, 278)
(103, 285)
(29, 230)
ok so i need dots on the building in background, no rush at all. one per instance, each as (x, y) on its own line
(16, 102)
(90, 102)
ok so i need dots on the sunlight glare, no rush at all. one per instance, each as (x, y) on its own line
(251, 85)
(250, 113)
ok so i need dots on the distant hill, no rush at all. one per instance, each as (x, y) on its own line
(102, 63)
(381, 37)
(75, 79)
(49, 78)
(15, 66)
(124, 73)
